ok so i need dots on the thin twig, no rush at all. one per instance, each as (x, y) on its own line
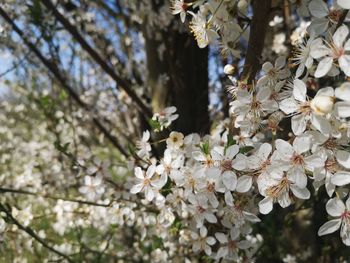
(25, 192)
(55, 71)
(123, 84)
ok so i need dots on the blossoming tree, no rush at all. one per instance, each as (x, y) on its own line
(175, 131)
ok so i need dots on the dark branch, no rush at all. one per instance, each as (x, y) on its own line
(122, 83)
(261, 10)
(54, 70)
(30, 232)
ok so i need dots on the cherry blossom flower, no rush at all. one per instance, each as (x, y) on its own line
(179, 7)
(292, 160)
(302, 56)
(324, 17)
(302, 110)
(202, 242)
(274, 73)
(93, 187)
(336, 208)
(202, 30)
(330, 53)
(165, 117)
(175, 140)
(230, 245)
(278, 188)
(143, 145)
(148, 183)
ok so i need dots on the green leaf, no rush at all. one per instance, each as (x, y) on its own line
(205, 148)
(230, 140)
(157, 242)
(155, 125)
(36, 12)
(246, 149)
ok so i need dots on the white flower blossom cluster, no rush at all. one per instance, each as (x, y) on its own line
(217, 184)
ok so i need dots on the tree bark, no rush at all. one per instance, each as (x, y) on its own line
(259, 24)
(184, 69)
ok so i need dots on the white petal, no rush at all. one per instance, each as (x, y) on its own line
(284, 200)
(343, 92)
(210, 218)
(263, 93)
(228, 198)
(221, 237)
(244, 183)
(139, 173)
(289, 106)
(299, 90)
(329, 91)
(342, 109)
(230, 180)
(343, 157)
(297, 175)
(321, 124)
(251, 217)
(167, 156)
(344, 4)
(301, 144)
(318, 50)
(232, 151)
(345, 234)
(265, 205)
(299, 123)
(198, 156)
(240, 163)
(340, 35)
(267, 66)
(329, 227)
(149, 194)
(150, 171)
(344, 64)
(324, 66)
(264, 151)
(318, 8)
(341, 178)
(244, 244)
(302, 193)
(335, 207)
(284, 148)
(211, 241)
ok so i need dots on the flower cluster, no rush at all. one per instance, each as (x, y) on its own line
(214, 182)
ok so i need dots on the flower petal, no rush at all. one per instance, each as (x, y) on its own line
(335, 207)
(329, 227)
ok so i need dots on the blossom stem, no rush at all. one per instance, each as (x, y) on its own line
(215, 11)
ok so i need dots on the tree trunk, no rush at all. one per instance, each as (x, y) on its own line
(179, 77)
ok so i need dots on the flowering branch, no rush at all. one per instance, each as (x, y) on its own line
(19, 191)
(31, 232)
(124, 84)
(54, 70)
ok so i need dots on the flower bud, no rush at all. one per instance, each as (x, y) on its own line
(242, 4)
(322, 104)
(229, 69)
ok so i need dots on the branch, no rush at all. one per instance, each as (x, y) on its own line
(25, 192)
(261, 10)
(30, 232)
(124, 84)
(54, 70)
(342, 18)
